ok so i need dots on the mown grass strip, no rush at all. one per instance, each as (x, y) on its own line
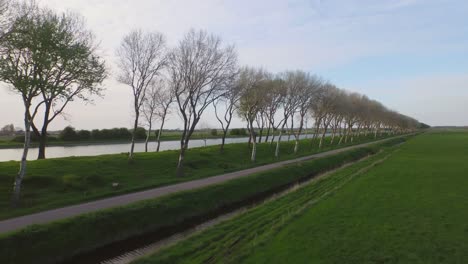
(62, 239)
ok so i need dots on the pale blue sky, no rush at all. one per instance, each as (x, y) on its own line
(412, 55)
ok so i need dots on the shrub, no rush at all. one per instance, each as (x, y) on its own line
(140, 133)
(214, 132)
(238, 132)
(68, 134)
(84, 135)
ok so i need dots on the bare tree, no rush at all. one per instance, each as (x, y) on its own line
(155, 107)
(148, 108)
(306, 93)
(164, 101)
(199, 69)
(230, 101)
(142, 56)
(252, 100)
(327, 104)
(274, 97)
(293, 81)
(338, 112)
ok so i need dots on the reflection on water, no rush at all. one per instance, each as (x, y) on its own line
(94, 150)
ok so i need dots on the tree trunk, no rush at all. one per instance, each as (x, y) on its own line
(268, 133)
(260, 136)
(358, 133)
(42, 135)
(223, 140)
(333, 134)
(42, 145)
(180, 164)
(317, 129)
(277, 150)
(342, 134)
(323, 136)
(298, 135)
(132, 147)
(291, 130)
(296, 146)
(159, 135)
(22, 171)
(147, 137)
(273, 135)
(253, 140)
(253, 157)
(349, 130)
(225, 131)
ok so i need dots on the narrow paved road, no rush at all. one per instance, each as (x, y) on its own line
(74, 210)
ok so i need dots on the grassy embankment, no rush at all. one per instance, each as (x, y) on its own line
(58, 182)
(412, 208)
(65, 238)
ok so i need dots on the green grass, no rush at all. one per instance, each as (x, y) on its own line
(65, 238)
(58, 182)
(412, 208)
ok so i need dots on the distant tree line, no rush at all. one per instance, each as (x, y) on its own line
(238, 132)
(70, 134)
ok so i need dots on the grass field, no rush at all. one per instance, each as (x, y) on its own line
(68, 237)
(412, 208)
(57, 182)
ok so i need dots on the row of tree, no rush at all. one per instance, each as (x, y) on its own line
(51, 59)
(200, 72)
(273, 102)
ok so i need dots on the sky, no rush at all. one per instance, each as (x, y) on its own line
(411, 55)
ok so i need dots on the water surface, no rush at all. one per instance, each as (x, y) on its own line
(95, 150)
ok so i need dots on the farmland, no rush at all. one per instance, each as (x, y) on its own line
(409, 208)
